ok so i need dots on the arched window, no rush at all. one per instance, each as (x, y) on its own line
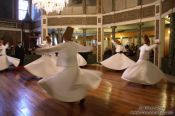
(22, 8)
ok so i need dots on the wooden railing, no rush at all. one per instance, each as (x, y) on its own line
(8, 24)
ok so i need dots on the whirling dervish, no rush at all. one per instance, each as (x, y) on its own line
(69, 82)
(40, 67)
(5, 60)
(119, 61)
(80, 59)
(144, 72)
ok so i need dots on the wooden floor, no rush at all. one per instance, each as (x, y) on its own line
(20, 95)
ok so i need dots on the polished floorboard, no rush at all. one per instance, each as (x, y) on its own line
(20, 95)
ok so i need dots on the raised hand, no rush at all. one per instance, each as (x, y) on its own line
(112, 41)
(157, 41)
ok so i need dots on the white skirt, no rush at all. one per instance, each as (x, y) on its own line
(81, 60)
(143, 72)
(13, 61)
(118, 62)
(7, 60)
(68, 84)
(71, 84)
(46, 66)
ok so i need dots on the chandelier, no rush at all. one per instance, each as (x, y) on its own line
(50, 5)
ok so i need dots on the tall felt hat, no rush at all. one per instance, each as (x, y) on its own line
(68, 34)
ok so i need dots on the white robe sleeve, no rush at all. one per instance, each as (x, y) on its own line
(6, 46)
(42, 45)
(124, 49)
(84, 48)
(149, 48)
(114, 43)
(53, 49)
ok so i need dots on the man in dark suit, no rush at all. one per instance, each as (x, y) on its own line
(20, 53)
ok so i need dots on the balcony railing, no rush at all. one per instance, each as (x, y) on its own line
(8, 24)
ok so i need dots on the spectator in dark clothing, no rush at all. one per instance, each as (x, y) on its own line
(20, 53)
(128, 51)
(107, 53)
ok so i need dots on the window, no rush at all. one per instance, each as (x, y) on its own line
(22, 8)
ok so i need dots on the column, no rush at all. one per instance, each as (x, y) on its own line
(100, 33)
(113, 37)
(44, 28)
(159, 34)
(113, 5)
(139, 36)
(84, 36)
(84, 6)
(100, 44)
(172, 41)
(99, 6)
(113, 31)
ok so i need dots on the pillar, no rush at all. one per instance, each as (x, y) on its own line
(84, 6)
(139, 35)
(159, 34)
(84, 36)
(44, 32)
(100, 43)
(113, 5)
(172, 41)
(100, 32)
(113, 37)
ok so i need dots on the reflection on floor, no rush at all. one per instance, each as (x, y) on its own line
(21, 96)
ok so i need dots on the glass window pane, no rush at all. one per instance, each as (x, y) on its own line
(22, 9)
(21, 14)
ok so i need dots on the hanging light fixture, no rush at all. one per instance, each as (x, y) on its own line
(50, 5)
